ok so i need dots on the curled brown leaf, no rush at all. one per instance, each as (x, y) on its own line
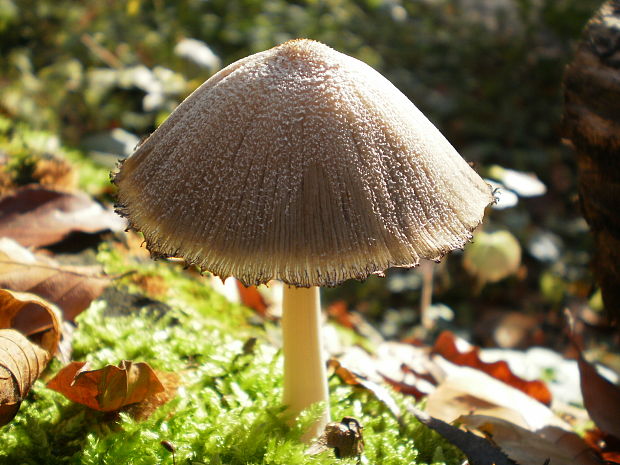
(557, 445)
(71, 288)
(353, 379)
(22, 358)
(36, 216)
(109, 388)
(252, 298)
(21, 363)
(601, 397)
(446, 346)
(32, 316)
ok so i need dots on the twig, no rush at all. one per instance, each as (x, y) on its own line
(103, 54)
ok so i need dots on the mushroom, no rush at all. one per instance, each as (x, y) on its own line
(304, 165)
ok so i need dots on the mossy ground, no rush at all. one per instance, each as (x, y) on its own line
(227, 408)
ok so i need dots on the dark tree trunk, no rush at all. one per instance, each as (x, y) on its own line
(592, 127)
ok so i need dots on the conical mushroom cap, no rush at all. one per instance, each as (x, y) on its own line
(300, 164)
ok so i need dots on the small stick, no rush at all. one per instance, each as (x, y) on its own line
(104, 55)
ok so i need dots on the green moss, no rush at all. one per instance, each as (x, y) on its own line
(227, 410)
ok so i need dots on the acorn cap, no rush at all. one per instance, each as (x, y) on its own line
(301, 164)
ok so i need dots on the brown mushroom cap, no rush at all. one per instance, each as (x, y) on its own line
(301, 164)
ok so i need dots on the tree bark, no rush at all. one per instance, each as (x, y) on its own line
(591, 126)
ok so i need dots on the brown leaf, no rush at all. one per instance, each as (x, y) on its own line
(71, 288)
(601, 397)
(32, 316)
(479, 451)
(153, 285)
(606, 445)
(47, 169)
(36, 216)
(558, 446)
(143, 409)
(353, 379)
(252, 298)
(406, 368)
(446, 346)
(405, 388)
(339, 312)
(109, 388)
(466, 390)
(55, 173)
(21, 362)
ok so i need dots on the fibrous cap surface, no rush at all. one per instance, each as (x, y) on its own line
(301, 164)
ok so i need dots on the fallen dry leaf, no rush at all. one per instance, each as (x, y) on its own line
(479, 451)
(70, 288)
(36, 216)
(466, 390)
(6, 180)
(21, 363)
(353, 379)
(607, 446)
(55, 173)
(408, 369)
(558, 446)
(395, 359)
(109, 388)
(408, 389)
(47, 169)
(601, 397)
(252, 298)
(339, 312)
(447, 345)
(21, 359)
(153, 285)
(32, 316)
(142, 410)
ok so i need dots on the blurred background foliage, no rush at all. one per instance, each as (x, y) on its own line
(91, 78)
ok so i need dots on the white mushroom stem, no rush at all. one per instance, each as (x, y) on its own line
(305, 376)
(426, 269)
